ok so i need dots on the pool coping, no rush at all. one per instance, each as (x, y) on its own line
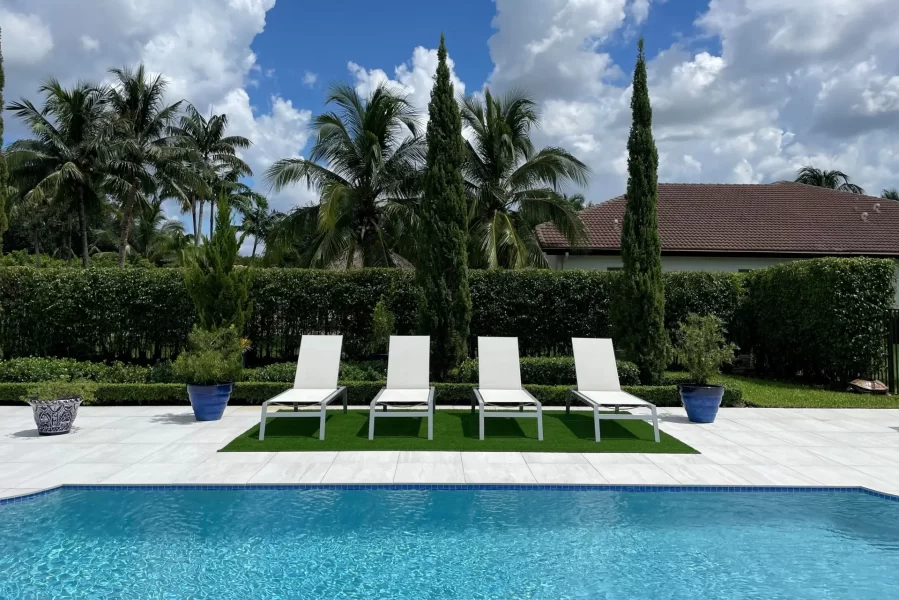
(458, 487)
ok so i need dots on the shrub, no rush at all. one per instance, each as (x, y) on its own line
(67, 369)
(703, 293)
(213, 357)
(557, 370)
(382, 325)
(58, 390)
(701, 347)
(360, 393)
(822, 318)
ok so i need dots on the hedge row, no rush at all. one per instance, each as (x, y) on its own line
(821, 318)
(144, 315)
(359, 393)
(556, 370)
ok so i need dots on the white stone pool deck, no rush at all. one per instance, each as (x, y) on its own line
(164, 445)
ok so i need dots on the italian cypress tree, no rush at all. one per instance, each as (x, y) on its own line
(442, 263)
(4, 173)
(639, 306)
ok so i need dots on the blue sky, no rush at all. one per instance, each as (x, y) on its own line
(743, 91)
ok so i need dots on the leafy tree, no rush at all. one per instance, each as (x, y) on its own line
(639, 305)
(442, 261)
(218, 289)
(4, 174)
(213, 158)
(890, 194)
(513, 187)
(834, 180)
(258, 221)
(144, 155)
(67, 159)
(364, 165)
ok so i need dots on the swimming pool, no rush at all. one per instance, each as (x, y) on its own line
(420, 543)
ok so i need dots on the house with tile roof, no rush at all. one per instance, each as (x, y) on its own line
(735, 227)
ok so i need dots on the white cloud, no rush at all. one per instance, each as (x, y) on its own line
(26, 38)
(310, 78)
(413, 79)
(794, 83)
(90, 44)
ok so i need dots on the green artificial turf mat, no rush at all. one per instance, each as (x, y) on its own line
(454, 431)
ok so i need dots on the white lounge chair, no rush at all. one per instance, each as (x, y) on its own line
(408, 387)
(598, 387)
(315, 383)
(499, 383)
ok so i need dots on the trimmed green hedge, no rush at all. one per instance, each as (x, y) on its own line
(359, 393)
(820, 318)
(555, 370)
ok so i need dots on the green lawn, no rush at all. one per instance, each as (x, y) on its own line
(768, 393)
(457, 430)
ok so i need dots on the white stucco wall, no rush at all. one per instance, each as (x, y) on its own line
(674, 263)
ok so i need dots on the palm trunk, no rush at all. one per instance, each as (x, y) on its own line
(126, 224)
(193, 214)
(85, 259)
(255, 241)
(200, 223)
(211, 217)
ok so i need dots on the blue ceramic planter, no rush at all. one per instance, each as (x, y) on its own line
(209, 401)
(701, 401)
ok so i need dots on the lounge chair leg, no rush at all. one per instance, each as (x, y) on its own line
(481, 419)
(596, 422)
(371, 422)
(539, 423)
(321, 425)
(345, 394)
(262, 423)
(568, 402)
(655, 423)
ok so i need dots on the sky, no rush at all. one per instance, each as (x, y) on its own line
(744, 91)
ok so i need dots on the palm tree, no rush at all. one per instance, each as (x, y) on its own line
(370, 153)
(67, 158)
(258, 221)
(513, 187)
(577, 201)
(145, 155)
(156, 237)
(215, 158)
(834, 180)
(890, 194)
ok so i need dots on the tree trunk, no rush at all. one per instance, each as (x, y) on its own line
(85, 258)
(37, 251)
(211, 217)
(193, 214)
(200, 225)
(127, 216)
(255, 241)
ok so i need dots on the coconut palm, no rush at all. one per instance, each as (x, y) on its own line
(139, 134)
(214, 159)
(890, 194)
(157, 238)
(258, 221)
(364, 165)
(67, 159)
(834, 180)
(513, 187)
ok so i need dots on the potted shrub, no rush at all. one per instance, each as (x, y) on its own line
(210, 366)
(220, 291)
(55, 404)
(702, 349)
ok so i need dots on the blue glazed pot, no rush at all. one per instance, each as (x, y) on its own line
(209, 401)
(701, 401)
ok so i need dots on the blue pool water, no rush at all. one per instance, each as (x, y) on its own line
(423, 544)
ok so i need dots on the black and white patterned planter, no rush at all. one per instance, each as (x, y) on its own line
(55, 417)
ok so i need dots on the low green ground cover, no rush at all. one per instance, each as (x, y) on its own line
(457, 430)
(769, 393)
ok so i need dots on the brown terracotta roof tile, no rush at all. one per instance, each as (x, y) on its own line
(783, 217)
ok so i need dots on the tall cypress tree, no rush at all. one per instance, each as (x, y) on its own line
(639, 307)
(442, 264)
(4, 174)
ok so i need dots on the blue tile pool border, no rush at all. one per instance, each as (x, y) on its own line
(460, 487)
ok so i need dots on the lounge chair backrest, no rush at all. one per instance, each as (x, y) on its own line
(594, 363)
(319, 364)
(498, 366)
(409, 362)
